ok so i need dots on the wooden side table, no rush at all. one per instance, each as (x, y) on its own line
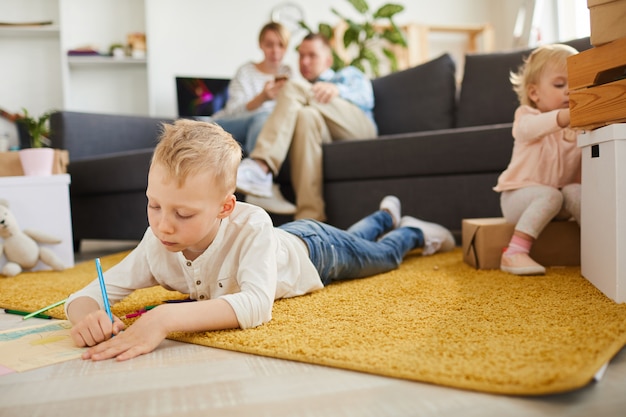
(43, 204)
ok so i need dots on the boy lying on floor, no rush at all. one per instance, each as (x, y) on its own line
(226, 254)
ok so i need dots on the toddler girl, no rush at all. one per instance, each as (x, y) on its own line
(542, 181)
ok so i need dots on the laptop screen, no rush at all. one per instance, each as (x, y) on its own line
(200, 96)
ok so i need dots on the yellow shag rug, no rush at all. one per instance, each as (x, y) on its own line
(434, 320)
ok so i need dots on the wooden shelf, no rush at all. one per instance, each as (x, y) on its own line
(35, 38)
(473, 32)
(25, 31)
(76, 61)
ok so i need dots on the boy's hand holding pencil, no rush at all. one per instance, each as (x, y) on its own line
(96, 325)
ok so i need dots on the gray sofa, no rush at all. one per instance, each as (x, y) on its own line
(109, 160)
(440, 149)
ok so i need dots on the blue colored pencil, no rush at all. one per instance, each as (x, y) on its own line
(103, 289)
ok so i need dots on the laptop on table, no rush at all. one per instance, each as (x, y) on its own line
(200, 97)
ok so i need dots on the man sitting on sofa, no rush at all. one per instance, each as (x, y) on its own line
(327, 106)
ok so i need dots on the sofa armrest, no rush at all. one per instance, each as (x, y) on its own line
(119, 172)
(93, 134)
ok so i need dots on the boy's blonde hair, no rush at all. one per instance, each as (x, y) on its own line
(532, 69)
(189, 147)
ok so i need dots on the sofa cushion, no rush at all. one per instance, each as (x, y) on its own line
(581, 44)
(487, 96)
(465, 151)
(119, 172)
(416, 99)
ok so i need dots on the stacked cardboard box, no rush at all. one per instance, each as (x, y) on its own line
(597, 82)
(607, 19)
(484, 239)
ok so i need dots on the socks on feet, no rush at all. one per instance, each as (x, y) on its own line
(518, 245)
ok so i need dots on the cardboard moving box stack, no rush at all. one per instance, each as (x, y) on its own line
(597, 82)
(597, 85)
(607, 19)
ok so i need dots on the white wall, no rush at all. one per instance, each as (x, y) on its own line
(188, 37)
(98, 24)
(213, 37)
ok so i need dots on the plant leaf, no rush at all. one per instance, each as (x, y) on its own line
(370, 32)
(326, 30)
(358, 64)
(394, 35)
(303, 25)
(352, 23)
(362, 40)
(373, 61)
(336, 13)
(388, 11)
(351, 36)
(338, 63)
(36, 127)
(393, 60)
(360, 5)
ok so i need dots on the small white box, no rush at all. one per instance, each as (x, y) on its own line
(42, 203)
(603, 209)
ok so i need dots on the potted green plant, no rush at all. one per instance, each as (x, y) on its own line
(368, 39)
(39, 158)
(117, 50)
(36, 128)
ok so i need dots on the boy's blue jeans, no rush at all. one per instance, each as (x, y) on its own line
(357, 252)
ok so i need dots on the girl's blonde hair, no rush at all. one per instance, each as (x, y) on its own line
(189, 147)
(534, 65)
(280, 30)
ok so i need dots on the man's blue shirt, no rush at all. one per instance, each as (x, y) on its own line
(354, 87)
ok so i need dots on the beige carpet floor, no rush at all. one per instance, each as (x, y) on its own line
(434, 320)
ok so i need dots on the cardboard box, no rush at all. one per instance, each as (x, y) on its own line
(484, 239)
(42, 203)
(597, 85)
(10, 164)
(607, 19)
(603, 209)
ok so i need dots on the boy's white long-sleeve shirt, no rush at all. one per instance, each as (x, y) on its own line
(249, 264)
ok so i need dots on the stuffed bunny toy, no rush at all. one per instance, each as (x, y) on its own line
(21, 248)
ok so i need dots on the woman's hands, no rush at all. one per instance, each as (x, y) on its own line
(272, 88)
(270, 92)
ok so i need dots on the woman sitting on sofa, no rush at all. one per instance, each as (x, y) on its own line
(252, 91)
